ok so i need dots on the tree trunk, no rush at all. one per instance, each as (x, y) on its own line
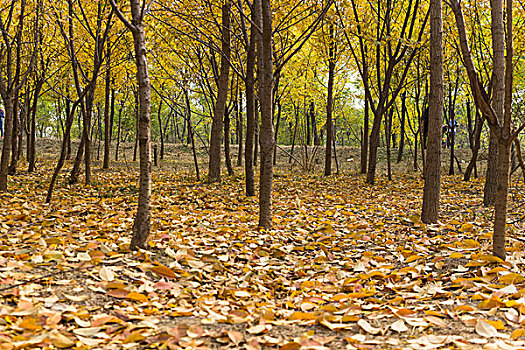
(402, 131)
(70, 116)
(491, 177)
(388, 134)
(276, 134)
(75, 171)
(87, 138)
(6, 145)
(32, 128)
(227, 156)
(214, 171)
(267, 140)
(256, 132)
(142, 223)
(431, 190)
(238, 105)
(159, 118)
(119, 128)
(329, 103)
(374, 143)
(452, 139)
(476, 143)
(191, 134)
(14, 137)
(296, 125)
(364, 140)
(107, 105)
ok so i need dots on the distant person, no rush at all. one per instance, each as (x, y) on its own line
(2, 115)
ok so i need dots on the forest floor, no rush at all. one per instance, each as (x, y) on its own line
(346, 266)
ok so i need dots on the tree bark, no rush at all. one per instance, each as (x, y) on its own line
(402, 131)
(107, 105)
(267, 140)
(214, 171)
(432, 169)
(238, 106)
(364, 139)
(227, 156)
(476, 143)
(161, 130)
(388, 137)
(329, 103)
(142, 223)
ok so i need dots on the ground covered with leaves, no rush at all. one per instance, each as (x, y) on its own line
(346, 266)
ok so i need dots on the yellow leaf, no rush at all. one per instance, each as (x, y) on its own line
(490, 258)
(517, 333)
(134, 337)
(31, 323)
(456, 255)
(499, 325)
(303, 316)
(511, 278)
(466, 308)
(466, 227)
(413, 258)
(137, 297)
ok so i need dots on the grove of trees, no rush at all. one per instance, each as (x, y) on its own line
(271, 77)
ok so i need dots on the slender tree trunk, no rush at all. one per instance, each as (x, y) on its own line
(227, 156)
(329, 103)
(267, 140)
(87, 138)
(191, 134)
(519, 156)
(142, 223)
(374, 143)
(256, 133)
(432, 168)
(119, 128)
(159, 118)
(75, 171)
(250, 101)
(32, 133)
(107, 105)
(70, 116)
(402, 131)
(214, 171)
(491, 177)
(238, 105)
(294, 133)
(24, 115)
(308, 133)
(6, 145)
(452, 134)
(388, 133)
(364, 139)
(476, 138)
(276, 134)
(14, 137)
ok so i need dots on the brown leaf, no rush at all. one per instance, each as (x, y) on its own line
(163, 271)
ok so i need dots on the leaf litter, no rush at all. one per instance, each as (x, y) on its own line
(345, 266)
